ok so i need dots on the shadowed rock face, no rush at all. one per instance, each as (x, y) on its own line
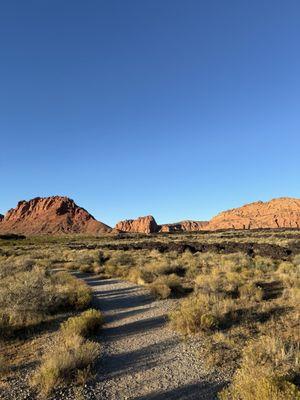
(1, 217)
(50, 215)
(277, 213)
(184, 226)
(140, 225)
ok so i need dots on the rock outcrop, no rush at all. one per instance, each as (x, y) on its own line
(278, 213)
(50, 215)
(184, 226)
(1, 217)
(140, 225)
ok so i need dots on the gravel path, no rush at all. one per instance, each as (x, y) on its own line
(142, 358)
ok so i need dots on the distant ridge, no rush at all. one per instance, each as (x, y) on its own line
(283, 212)
(50, 215)
(61, 215)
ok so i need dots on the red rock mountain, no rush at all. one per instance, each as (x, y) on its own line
(184, 226)
(50, 215)
(140, 225)
(278, 213)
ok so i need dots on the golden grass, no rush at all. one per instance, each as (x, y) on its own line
(85, 324)
(71, 355)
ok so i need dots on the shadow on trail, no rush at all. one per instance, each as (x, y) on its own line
(196, 391)
(133, 328)
(119, 302)
(116, 299)
(124, 314)
(127, 363)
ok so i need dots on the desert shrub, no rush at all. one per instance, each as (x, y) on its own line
(264, 264)
(71, 292)
(26, 298)
(165, 285)
(251, 291)
(116, 270)
(289, 273)
(163, 267)
(267, 370)
(70, 265)
(121, 258)
(286, 267)
(85, 324)
(64, 361)
(139, 276)
(195, 314)
(160, 290)
(296, 259)
(86, 268)
(12, 265)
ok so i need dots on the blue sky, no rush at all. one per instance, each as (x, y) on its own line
(178, 109)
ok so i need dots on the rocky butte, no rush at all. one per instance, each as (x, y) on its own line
(50, 215)
(278, 213)
(140, 225)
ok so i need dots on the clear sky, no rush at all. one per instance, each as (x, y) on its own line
(178, 109)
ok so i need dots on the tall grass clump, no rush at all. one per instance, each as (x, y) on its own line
(71, 355)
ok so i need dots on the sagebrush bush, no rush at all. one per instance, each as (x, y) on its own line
(195, 314)
(72, 292)
(160, 290)
(165, 285)
(268, 368)
(27, 297)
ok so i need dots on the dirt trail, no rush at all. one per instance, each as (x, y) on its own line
(142, 358)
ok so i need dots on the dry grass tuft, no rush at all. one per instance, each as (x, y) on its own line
(65, 362)
(71, 356)
(85, 324)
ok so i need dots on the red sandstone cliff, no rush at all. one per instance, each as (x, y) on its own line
(277, 213)
(50, 215)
